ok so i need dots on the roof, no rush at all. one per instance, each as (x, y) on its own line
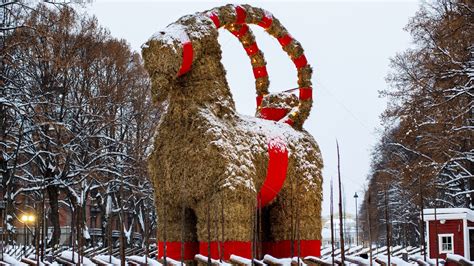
(448, 214)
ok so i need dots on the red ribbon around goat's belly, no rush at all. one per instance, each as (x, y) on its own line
(276, 171)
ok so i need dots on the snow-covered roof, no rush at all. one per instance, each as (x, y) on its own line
(348, 222)
(448, 214)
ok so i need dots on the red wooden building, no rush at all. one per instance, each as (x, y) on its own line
(452, 231)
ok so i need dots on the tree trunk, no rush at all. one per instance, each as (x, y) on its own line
(53, 195)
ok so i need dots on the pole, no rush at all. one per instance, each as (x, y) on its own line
(145, 237)
(183, 214)
(370, 229)
(222, 227)
(387, 225)
(259, 217)
(122, 224)
(208, 212)
(43, 226)
(218, 240)
(298, 239)
(436, 228)
(332, 224)
(37, 234)
(73, 232)
(341, 227)
(292, 222)
(3, 232)
(109, 235)
(253, 211)
(422, 224)
(24, 239)
(357, 220)
(165, 222)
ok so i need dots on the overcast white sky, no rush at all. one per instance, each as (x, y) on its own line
(347, 43)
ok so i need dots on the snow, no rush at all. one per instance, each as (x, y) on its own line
(357, 260)
(354, 249)
(86, 234)
(51, 167)
(178, 33)
(108, 259)
(420, 259)
(47, 263)
(128, 233)
(10, 227)
(278, 144)
(203, 258)
(294, 261)
(239, 147)
(272, 260)
(108, 207)
(393, 260)
(284, 261)
(9, 259)
(68, 256)
(448, 213)
(458, 259)
(142, 259)
(140, 219)
(171, 34)
(240, 260)
(173, 262)
(318, 260)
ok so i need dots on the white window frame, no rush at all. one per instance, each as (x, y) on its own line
(440, 244)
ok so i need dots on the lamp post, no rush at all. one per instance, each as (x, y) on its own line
(357, 220)
(2, 215)
(26, 219)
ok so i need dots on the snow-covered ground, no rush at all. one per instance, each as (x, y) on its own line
(355, 255)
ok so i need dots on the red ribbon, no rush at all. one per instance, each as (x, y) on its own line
(241, 15)
(242, 31)
(306, 93)
(300, 61)
(173, 250)
(251, 49)
(215, 19)
(276, 172)
(285, 40)
(274, 114)
(187, 58)
(289, 122)
(282, 248)
(259, 100)
(278, 249)
(260, 72)
(266, 22)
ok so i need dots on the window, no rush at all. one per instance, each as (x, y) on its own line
(446, 243)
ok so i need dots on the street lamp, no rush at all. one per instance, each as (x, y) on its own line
(26, 219)
(357, 220)
(3, 222)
